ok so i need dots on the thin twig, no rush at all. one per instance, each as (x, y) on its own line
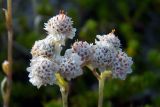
(95, 74)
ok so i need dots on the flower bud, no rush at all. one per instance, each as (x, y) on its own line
(5, 67)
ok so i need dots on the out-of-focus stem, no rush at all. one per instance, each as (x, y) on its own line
(8, 16)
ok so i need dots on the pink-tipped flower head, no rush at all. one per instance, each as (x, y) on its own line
(110, 39)
(60, 27)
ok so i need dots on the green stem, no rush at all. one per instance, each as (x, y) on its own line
(64, 88)
(101, 88)
(64, 92)
(101, 80)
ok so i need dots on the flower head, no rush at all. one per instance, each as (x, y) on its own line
(60, 27)
(110, 38)
(121, 65)
(46, 47)
(83, 49)
(41, 71)
(103, 56)
(42, 48)
(70, 66)
(57, 46)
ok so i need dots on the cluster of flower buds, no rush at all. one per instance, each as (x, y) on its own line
(105, 54)
(109, 56)
(46, 60)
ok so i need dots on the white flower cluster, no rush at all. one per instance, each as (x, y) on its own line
(110, 39)
(109, 56)
(46, 59)
(83, 49)
(106, 54)
(103, 56)
(121, 65)
(42, 48)
(70, 66)
(42, 71)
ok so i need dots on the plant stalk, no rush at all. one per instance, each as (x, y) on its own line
(8, 16)
(101, 89)
(64, 93)
(64, 88)
(101, 80)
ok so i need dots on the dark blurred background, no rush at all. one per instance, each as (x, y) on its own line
(137, 26)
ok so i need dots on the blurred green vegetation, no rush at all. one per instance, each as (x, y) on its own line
(137, 25)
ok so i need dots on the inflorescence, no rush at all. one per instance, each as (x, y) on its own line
(104, 54)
